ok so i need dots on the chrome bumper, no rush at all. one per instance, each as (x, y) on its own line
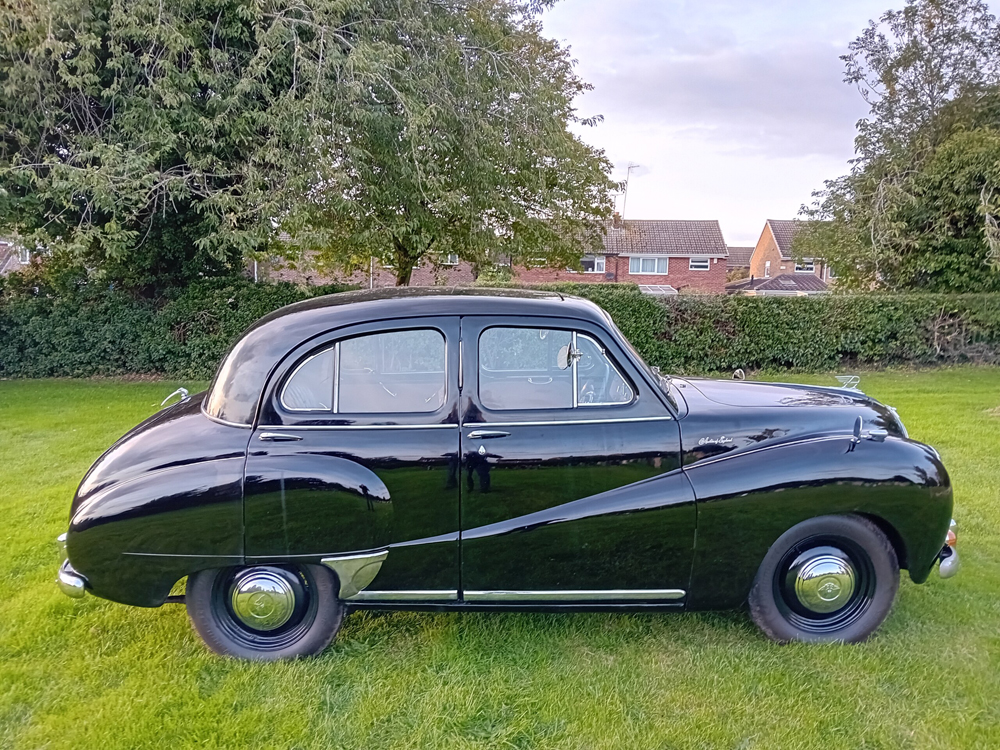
(950, 562)
(70, 582)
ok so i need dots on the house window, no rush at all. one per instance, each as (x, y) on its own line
(698, 264)
(451, 259)
(830, 273)
(806, 266)
(648, 265)
(24, 254)
(593, 263)
(767, 269)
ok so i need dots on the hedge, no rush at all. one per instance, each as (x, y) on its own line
(108, 333)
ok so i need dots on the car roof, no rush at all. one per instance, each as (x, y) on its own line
(240, 380)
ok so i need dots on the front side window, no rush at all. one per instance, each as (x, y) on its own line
(398, 372)
(593, 264)
(698, 264)
(806, 266)
(533, 368)
(648, 265)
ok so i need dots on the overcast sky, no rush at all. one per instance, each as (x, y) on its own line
(736, 110)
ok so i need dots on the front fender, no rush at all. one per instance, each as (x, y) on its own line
(747, 500)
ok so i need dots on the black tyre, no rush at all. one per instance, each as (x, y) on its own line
(265, 612)
(832, 578)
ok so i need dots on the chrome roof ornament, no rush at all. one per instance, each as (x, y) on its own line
(849, 381)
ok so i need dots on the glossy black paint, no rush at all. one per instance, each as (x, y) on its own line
(162, 502)
(686, 487)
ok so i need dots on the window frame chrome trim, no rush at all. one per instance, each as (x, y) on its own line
(299, 366)
(603, 595)
(297, 427)
(561, 422)
(604, 353)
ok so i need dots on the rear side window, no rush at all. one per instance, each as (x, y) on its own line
(535, 368)
(397, 372)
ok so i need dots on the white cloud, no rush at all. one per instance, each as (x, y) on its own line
(736, 109)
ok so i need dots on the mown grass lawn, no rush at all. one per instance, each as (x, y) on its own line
(92, 674)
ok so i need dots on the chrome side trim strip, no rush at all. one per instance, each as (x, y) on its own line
(623, 420)
(356, 571)
(405, 596)
(358, 427)
(227, 423)
(607, 595)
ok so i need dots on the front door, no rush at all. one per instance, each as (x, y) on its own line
(572, 490)
(356, 454)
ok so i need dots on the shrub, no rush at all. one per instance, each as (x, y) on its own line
(105, 332)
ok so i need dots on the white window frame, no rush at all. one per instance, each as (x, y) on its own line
(599, 263)
(635, 265)
(24, 255)
(767, 269)
(451, 259)
(699, 260)
(806, 266)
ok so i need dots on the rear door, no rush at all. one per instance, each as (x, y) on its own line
(356, 451)
(572, 490)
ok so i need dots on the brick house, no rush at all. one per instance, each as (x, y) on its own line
(662, 256)
(448, 271)
(12, 257)
(773, 257)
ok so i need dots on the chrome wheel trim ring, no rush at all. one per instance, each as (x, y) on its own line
(823, 583)
(262, 599)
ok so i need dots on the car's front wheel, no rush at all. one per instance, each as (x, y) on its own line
(832, 578)
(265, 612)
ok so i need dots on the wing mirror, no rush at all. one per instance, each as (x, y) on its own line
(567, 356)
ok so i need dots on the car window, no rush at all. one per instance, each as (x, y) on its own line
(382, 373)
(537, 368)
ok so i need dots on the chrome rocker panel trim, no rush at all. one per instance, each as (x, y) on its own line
(405, 596)
(610, 595)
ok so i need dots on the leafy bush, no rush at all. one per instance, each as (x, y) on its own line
(105, 332)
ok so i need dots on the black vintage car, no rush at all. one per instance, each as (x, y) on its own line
(471, 449)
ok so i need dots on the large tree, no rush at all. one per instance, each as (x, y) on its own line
(155, 142)
(917, 210)
(462, 146)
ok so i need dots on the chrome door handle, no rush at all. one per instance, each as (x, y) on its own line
(487, 434)
(278, 437)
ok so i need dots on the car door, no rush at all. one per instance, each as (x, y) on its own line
(572, 489)
(356, 453)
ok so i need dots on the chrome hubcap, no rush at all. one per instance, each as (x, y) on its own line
(824, 582)
(263, 599)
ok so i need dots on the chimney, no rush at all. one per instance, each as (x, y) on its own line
(616, 221)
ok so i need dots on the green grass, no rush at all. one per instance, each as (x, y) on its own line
(92, 674)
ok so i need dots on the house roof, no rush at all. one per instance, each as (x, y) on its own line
(786, 283)
(665, 237)
(784, 231)
(739, 257)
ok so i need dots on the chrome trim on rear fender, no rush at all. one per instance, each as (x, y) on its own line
(356, 571)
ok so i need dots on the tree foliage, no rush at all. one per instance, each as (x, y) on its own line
(461, 145)
(917, 210)
(155, 142)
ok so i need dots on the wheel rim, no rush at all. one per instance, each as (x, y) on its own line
(265, 608)
(824, 584)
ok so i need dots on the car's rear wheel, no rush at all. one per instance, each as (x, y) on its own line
(265, 612)
(832, 578)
